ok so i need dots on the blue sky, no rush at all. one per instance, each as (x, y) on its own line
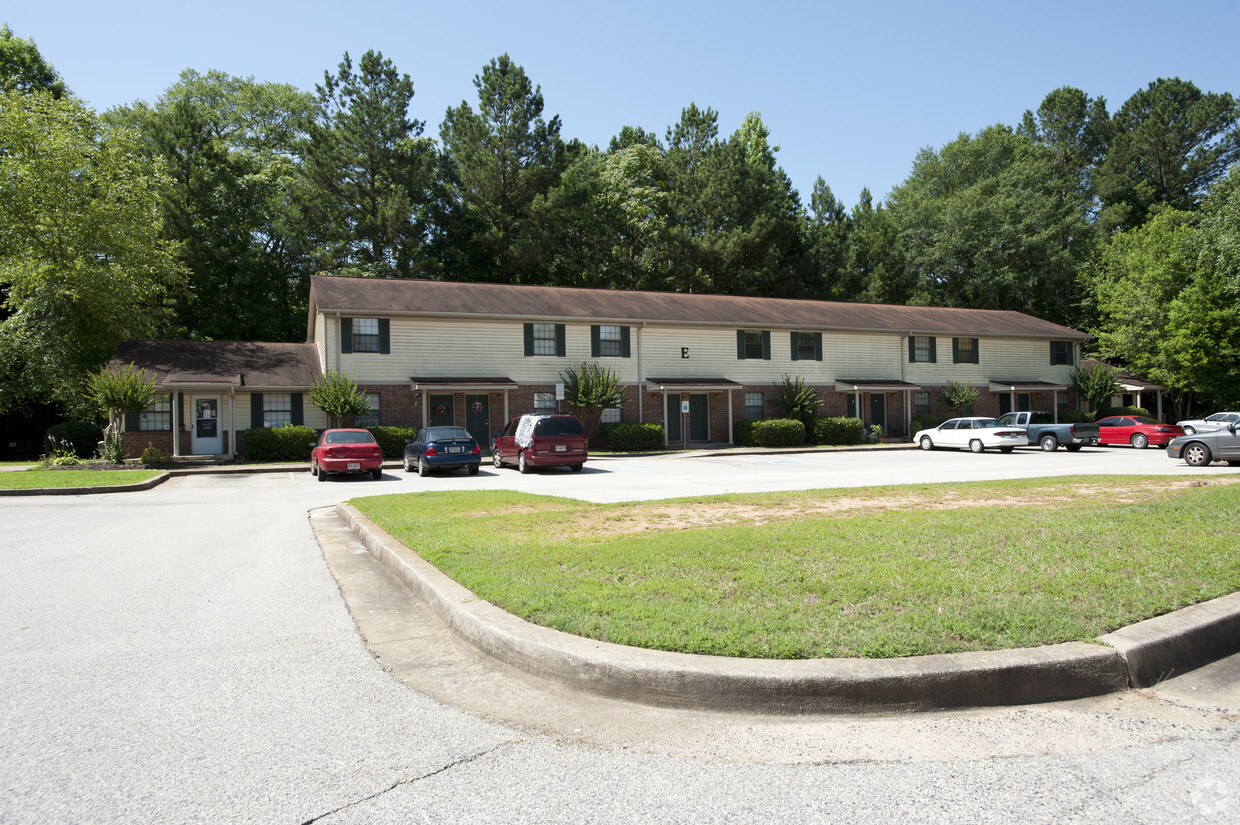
(850, 91)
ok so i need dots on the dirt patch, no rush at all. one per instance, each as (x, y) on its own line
(670, 516)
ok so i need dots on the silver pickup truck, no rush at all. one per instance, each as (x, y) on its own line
(1043, 431)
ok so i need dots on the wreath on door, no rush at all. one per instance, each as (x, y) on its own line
(440, 409)
(476, 407)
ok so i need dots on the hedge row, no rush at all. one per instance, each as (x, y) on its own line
(392, 440)
(628, 437)
(836, 431)
(287, 443)
(770, 432)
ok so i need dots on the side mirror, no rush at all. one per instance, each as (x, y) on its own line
(313, 445)
(1231, 428)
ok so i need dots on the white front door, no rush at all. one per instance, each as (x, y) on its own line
(206, 435)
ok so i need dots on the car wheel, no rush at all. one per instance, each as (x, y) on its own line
(314, 471)
(473, 469)
(1006, 449)
(423, 470)
(577, 467)
(1140, 441)
(521, 465)
(408, 466)
(376, 473)
(1190, 431)
(976, 445)
(322, 475)
(495, 459)
(925, 443)
(1197, 454)
(1049, 443)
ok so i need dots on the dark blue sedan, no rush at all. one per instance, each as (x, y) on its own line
(442, 448)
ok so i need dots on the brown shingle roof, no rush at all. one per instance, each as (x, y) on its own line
(376, 296)
(241, 363)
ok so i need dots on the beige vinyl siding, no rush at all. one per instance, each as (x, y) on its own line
(1005, 359)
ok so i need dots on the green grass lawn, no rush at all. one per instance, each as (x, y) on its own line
(875, 572)
(37, 479)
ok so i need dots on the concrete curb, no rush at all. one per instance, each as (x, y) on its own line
(86, 491)
(1073, 670)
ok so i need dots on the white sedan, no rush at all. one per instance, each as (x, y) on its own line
(976, 434)
(1218, 421)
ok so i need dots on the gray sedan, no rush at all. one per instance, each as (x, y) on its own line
(1199, 449)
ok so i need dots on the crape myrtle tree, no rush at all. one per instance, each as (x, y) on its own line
(338, 396)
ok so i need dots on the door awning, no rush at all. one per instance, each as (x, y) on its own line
(462, 384)
(998, 385)
(691, 384)
(873, 385)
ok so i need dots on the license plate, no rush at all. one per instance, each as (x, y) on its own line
(355, 465)
(456, 449)
(561, 448)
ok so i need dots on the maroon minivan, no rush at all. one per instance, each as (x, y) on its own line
(530, 441)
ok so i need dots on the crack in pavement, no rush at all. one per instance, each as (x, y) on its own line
(404, 782)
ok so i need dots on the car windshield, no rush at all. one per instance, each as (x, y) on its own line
(444, 433)
(349, 438)
(557, 426)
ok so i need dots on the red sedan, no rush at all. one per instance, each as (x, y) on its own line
(1136, 430)
(346, 451)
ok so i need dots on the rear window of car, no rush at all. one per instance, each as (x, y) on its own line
(444, 433)
(557, 426)
(349, 438)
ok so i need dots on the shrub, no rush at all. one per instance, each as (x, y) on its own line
(83, 437)
(626, 437)
(287, 443)
(1103, 412)
(1076, 417)
(794, 399)
(154, 456)
(925, 421)
(392, 439)
(836, 431)
(770, 432)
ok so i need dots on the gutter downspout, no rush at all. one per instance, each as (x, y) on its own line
(640, 386)
(337, 347)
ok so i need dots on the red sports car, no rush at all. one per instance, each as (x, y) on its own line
(1136, 430)
(346, 451)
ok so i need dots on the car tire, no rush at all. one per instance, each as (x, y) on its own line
(1190, 431)
(1140, 441)
(376, 473)
(577, 467)
(1197, 454)
(314, 471)
(423, 470)
(495, 459)
(322, 475)
(408, 466)
(977, 446)
(1006, 449)
(521, 465)
(925, 443)
(1049, 443)
(473, 469)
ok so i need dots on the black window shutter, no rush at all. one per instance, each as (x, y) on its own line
(977, 355)
(817, 346)
(561, 349)
(298, 409)
(796, 356)
(934, 356)
(346, 335)
(256, 410)
(912, 348)
(529, 339)
(740, 345)
(955, 350)
(625, 344)
(766, 345)
(133, 421)
(385, 336)
(595, 344)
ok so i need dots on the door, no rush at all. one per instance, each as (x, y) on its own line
(671, 418)
(206, 436)
(478, 418)
(440, 411)
(878, 410)
(699, 417)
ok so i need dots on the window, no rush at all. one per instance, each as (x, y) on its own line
(755, 405)
(753, 344)
(921, 349)
(964, 351)
(609, 341)
(921, 403)
(1062, 352)
(807, 346)
(365, 334)
(370, 419)
(277, 409)
(544, 402)
(611, 415)
(158, 415)
(544, 339)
